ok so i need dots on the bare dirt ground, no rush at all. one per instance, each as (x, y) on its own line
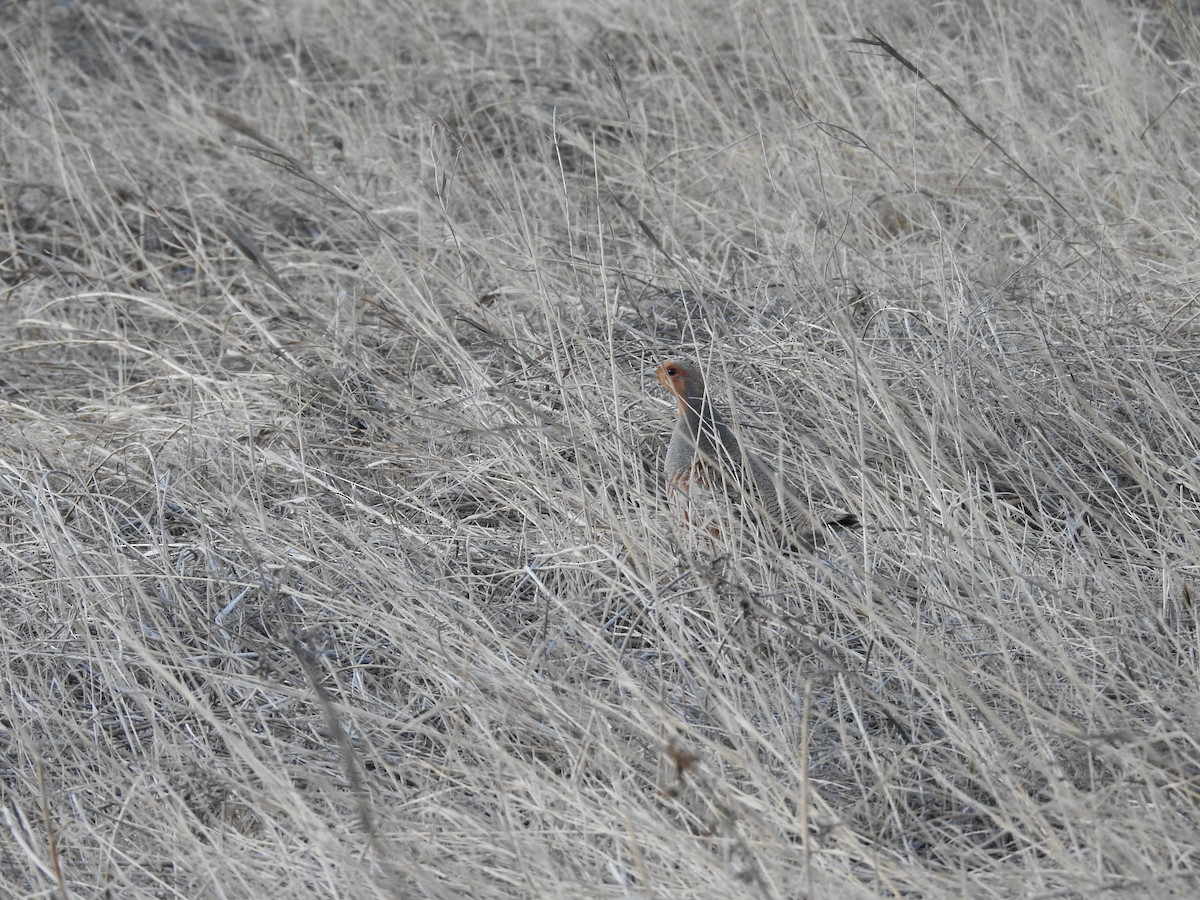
(335, 559)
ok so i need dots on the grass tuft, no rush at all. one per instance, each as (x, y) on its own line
(335, 559)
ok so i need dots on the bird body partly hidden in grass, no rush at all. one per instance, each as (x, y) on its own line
(707, 467)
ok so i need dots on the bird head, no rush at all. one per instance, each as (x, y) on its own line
(684, 381)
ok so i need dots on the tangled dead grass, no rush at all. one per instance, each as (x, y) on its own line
(335, 560)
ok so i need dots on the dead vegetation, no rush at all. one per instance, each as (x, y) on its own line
(335, 560)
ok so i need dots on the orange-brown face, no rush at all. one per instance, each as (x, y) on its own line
(674, 376)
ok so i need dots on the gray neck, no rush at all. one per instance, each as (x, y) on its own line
(708, 425)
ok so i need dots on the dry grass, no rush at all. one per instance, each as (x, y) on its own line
(335, 560)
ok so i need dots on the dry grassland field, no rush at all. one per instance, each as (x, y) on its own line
(336, 555)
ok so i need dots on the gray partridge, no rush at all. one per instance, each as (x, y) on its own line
(704, 452)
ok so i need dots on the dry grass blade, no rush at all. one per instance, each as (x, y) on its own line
(877, 40)
(271, 152)
(335, 552)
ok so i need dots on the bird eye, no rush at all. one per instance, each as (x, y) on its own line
(672, 371)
